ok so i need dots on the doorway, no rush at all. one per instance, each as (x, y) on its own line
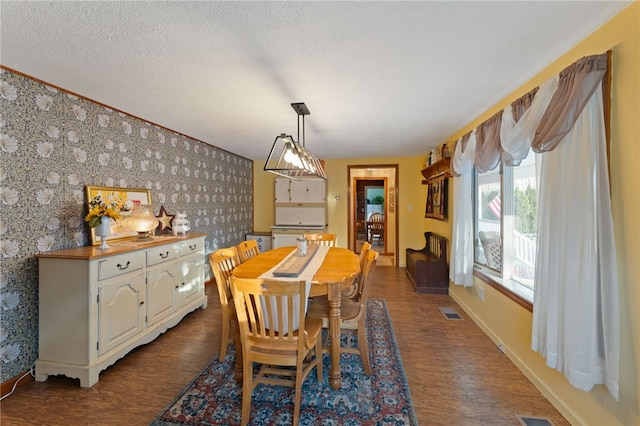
(373, 190)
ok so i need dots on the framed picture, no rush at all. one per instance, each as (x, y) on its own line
(126, 199)
(437, 198)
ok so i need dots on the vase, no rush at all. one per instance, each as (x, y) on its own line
(103, 231)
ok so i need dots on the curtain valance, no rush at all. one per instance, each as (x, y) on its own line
(575, 86)
(539, 119)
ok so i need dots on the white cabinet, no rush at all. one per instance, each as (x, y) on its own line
(96, 304)
(306, 191)
(282, 190)
(285, 240)
(121, 311)
(192, 279)
(162, 283)
(263, 239)
(288, 236)
(162, 279)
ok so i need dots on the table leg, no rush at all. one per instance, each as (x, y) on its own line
(334, 334)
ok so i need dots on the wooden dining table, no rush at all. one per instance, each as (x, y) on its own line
(338, 270)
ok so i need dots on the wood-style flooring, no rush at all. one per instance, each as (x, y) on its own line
(456, 374)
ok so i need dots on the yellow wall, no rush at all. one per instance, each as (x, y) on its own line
(410, 203)
(505, 321)
(499, 317)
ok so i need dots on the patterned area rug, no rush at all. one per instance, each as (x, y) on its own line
(214, 397)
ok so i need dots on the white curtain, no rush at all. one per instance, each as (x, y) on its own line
(515, 138)
(575, 315)
(461, 265)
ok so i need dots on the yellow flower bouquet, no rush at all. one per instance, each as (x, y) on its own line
(98, 208)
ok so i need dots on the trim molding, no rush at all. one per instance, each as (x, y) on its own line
(556, 400)
(21, 379)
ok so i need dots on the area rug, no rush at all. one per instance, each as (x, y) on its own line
(215, 398)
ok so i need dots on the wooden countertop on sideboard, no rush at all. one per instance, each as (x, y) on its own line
(117, 247)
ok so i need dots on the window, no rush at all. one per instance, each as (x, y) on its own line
(505, 225)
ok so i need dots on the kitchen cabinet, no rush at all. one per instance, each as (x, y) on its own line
(96, 305)
(305, 191)
(284, 236)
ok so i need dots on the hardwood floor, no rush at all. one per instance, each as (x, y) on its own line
(457, 376)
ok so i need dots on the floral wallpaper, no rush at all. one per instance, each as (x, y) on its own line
(52, 144)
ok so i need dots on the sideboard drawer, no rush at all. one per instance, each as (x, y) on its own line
(119, 265)
(191, 246)
(161, 254)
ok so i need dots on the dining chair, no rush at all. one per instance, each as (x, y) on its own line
(492, 247)
(351, 290)
(268, 312)
(353, 313)
(375, 224)
(361, 229)
(223, 262)
(247, 249)
(321, 239)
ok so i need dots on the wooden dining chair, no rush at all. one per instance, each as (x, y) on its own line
(351, 290)
(375, 224)
(261, 304)
(353, 313)
(223, 262)
(247, 250)
(321, 239)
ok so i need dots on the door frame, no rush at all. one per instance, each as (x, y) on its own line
(389, 174)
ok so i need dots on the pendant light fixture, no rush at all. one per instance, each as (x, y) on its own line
(291, 159)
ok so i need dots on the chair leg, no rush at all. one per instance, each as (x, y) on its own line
(247, 387)
(225, 336)
(319, 354)
(363, 345)
(297, 394)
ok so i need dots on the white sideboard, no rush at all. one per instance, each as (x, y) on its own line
(96, 305)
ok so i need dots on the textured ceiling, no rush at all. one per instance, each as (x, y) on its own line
(380, 78)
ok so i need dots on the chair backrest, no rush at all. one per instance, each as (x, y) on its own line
(366, 246)
(376, 221)
(321, 239)
(223, 262)
(247, 250)
(364, 283)
(492, 247)
(265, 309)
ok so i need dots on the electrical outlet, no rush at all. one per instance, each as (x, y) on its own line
(481, 294)
(501, 347)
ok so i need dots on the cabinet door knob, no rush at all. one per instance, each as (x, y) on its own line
(123, 267)
(193, 247)
(164, 256)
(142, 303)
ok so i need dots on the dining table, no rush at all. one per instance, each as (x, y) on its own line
(338, 270)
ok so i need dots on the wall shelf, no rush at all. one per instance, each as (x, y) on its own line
(437, 169)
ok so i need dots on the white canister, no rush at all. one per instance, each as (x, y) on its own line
(302, 246)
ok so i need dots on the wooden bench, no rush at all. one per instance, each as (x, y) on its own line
(427, 268)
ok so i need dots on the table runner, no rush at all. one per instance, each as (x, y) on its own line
(306, 275)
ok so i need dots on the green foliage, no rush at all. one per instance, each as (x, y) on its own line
(526, 211)
(378, 199)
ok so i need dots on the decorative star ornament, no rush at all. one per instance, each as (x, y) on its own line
(165, 220)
